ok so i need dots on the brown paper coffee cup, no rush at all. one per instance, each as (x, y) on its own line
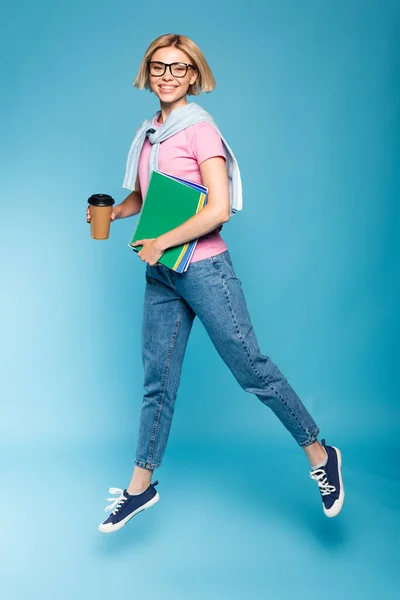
(101, 206)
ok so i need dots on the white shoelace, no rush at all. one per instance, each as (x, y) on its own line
(320, 476)
(115, 502)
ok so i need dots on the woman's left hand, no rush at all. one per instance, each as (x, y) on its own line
(151, 251)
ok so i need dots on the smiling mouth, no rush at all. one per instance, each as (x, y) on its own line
(167, 88)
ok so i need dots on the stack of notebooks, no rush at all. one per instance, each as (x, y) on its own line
(169, 202)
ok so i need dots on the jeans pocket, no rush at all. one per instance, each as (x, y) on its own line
(227, 261)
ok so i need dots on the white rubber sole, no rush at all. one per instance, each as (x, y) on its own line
(110, 528)
(337, 507)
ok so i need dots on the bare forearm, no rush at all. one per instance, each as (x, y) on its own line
(203, 222)
(132, 205)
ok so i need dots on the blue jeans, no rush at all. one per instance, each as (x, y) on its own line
(210, 290)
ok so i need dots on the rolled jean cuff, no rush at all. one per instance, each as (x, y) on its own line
(311, 439)
(145, 465)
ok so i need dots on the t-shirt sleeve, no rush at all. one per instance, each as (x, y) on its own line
(205, 142)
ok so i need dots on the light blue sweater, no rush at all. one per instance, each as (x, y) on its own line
(177, 120)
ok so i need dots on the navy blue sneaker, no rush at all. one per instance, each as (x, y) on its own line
(329, 479)
(127, 506)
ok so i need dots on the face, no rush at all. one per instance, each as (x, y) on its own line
(169, 88)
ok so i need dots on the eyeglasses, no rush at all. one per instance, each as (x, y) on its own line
(177, 69)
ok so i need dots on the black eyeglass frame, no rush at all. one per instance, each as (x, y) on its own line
(159, 62)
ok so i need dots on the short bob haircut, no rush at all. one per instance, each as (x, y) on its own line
(205, 81)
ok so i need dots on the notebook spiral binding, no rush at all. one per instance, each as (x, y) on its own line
(140, 213)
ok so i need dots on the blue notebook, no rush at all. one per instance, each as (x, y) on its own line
(169, 201)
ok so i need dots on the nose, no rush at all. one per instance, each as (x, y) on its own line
(167, 75)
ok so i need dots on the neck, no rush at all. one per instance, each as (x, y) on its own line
(167, 108)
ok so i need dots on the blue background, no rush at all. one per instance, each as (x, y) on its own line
(308, 97)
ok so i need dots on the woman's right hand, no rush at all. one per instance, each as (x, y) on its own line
(115, 214)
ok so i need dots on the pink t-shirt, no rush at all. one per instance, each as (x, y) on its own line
(180, 155)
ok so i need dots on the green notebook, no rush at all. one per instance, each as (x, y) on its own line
(169, 202)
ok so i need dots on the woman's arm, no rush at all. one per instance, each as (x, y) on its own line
(132, 204)
(215, 213)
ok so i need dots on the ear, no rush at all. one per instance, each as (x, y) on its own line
(194, 77)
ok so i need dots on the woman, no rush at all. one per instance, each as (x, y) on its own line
(182, 139)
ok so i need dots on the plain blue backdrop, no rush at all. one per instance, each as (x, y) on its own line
(308, 96)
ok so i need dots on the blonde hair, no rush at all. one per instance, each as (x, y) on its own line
(205, 81)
